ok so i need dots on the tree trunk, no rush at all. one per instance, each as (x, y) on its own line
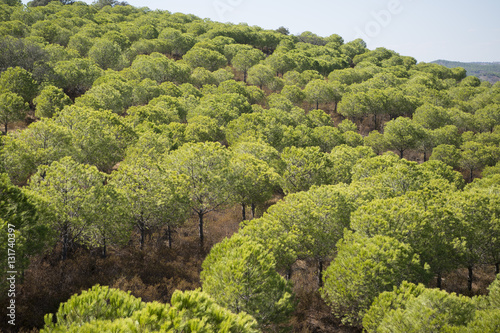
(320, 273)
(375, 120)
(200, 224)
(103, 255)
(253, 210)
(317, 105)
(65, 245)
(243, 211)
(425, 156)
(471, 175)
(169, 235)
(469, 279)
(497, 269)
(401, 153)
(5, 127)
(142, 229)
(245, 76)
(289, 274)
(439, 282)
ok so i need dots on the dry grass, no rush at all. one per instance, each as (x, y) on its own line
(157, 271)
(16, 126)
(456, 281)
(312, 314)
(152, 274)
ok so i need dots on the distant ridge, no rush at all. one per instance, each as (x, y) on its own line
(487, 71)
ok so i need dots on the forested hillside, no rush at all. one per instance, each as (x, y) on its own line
(487, 71)
(160, 172)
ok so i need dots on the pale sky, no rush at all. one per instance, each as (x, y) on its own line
(458, 30)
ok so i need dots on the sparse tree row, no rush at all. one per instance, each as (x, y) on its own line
(121, 123)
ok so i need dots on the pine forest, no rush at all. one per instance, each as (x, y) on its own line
(160, 172)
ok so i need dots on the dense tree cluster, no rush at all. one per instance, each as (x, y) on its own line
(138, 119)
(103, 309)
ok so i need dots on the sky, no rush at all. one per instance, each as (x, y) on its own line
(457, 30)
